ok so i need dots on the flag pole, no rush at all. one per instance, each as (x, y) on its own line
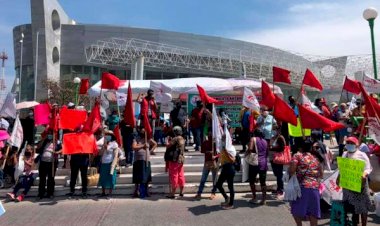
(5, 158)
(341, 93)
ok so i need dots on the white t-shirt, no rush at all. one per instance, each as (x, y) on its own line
(108, 154)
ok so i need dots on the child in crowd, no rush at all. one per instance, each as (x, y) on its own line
(26, 179)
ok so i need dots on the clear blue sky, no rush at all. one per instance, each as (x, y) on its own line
(321, 27)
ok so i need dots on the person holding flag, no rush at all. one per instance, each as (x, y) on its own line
(48, 155)
(148, 109)
(142, 173)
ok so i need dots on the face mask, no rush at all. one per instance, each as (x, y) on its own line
(30, 114)
(351, 147)
(108, 138)
(28, 154)
(50, 137)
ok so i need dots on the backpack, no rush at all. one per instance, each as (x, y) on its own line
(237, 163)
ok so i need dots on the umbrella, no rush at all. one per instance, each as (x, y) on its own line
(26, 104)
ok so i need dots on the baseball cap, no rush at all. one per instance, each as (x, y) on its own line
(353, 140)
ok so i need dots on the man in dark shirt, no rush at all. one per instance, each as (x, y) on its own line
(196, 124)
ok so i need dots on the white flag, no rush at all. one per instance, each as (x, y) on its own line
(370, 84)
(352, 104)
(331, 190)
(9, 107)
(250, 101)
(17, 134)
(216, 130)
(161, 91)
(121, 99)
(310, 105)
(374, 129)
(229, 146)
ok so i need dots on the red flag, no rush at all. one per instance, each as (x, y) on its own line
(267, 96)
(281, 75)
(117, 134)
(94, 120)
(351, 86)
(84, 86)
(206, 98)
(79, 143)
(283, 112)
(129, 116)
(53, 124)
(310, 80)
(147, 127)
(109, 81)
(71, 119)
(313, 120)
(371, 106)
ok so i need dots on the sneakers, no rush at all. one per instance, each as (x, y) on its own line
(20, 198)
(11, 196)
(84, 195)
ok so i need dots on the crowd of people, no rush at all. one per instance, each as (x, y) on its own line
(260, 135)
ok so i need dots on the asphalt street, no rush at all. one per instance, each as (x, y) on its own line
(156, 210)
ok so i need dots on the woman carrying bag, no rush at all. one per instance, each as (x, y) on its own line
(277, 145)
(109, 153)
(257, 158)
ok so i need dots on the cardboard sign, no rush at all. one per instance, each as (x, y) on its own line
(41, 114)
(71, 119)
(79, 143)
(351, 172)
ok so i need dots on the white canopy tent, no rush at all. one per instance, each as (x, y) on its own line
(189, 85)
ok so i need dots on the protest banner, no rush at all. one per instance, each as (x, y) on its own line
(351, 172)
(232, 104)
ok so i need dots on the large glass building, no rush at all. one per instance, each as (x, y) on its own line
(55, 47)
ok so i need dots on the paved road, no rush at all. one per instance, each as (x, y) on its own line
(153, 211)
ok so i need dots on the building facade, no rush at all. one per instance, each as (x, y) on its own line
(55, 47)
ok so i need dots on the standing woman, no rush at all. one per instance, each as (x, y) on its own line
(48, 155)
(307, 165)
(258, 145)
(227, 160)
(175, 157)
(109, 153)
(357, 202)
(277, 144)
(142, 173)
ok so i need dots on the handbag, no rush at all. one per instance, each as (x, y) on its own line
(211, 165)
(284, 157)
(252, 158)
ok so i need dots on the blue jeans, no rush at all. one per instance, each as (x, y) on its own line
(205, 174)
(198, 137)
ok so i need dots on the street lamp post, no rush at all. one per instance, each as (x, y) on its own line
(370, 15)
(36, 67)
(76, 82)
(22, 44)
